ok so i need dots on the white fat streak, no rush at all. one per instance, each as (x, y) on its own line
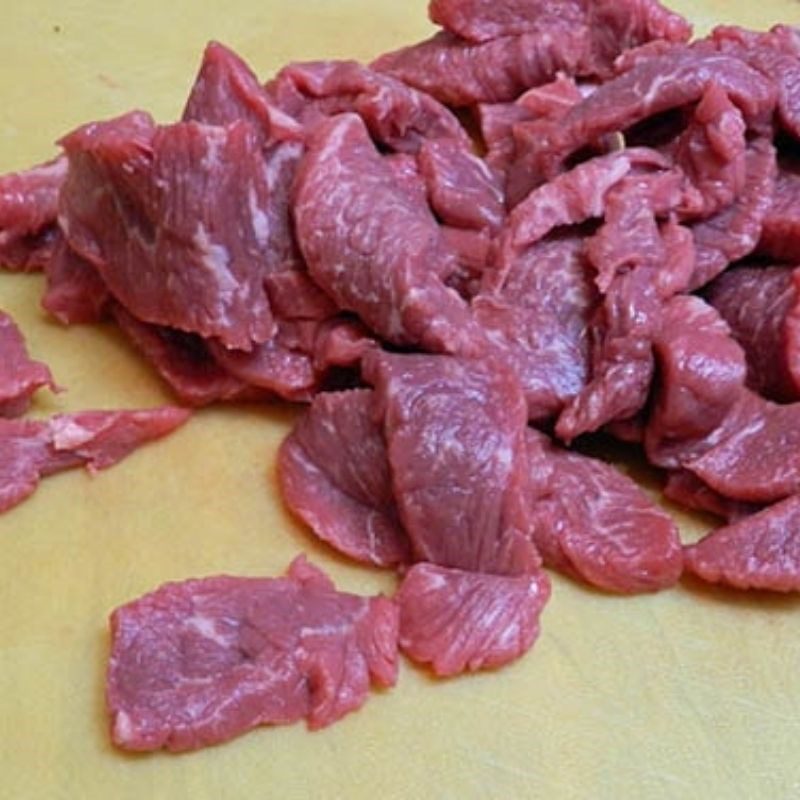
(123, 727)
(68, 434)
(258, 218)
(216, 259)
(207, 629)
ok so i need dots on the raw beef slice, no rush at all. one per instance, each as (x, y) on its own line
(20, 376)
(594, 523)
(455, 434)
(33, 449)
(199, 662)
(761, 551)
(780, 234)
(458, 621)
(175, 220)
(333, 472)
(373, 248)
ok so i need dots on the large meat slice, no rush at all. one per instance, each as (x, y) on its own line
(396, 115)
(780, 232)
(734, 232)
(701, 372)
(333, 472)
(594, 523)
(372, 246)
(617, 24)
(455, 434)
(199, 662)
(30, 450)
(538, 322)
(28, 208)
(759, 461)
(20, 375)
(761, 551)
(458, 621)
(762, 307)
(226, 90)
(176, 221)
(654, 85)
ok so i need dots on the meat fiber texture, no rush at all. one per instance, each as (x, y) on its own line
(199, 662)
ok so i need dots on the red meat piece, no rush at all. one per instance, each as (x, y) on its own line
(333, 471)
(689, 491)
(30, 450)
(20, 376)
(455, 434)
(780, 233)
(371, 246)
(595, 524)
(199, 662)
(458, 621)
(761, 551)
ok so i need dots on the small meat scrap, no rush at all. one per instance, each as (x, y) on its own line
(701, 373)
(455, 435)
(175, 221)
(761, 305)
(199, 662)
(759, 461)
(20, 376)
(372, 246)
(397, 116)
(689, 491)
(28, 209)
(594, 523)
(761, 551)
(465, 621)
(226, 90)
(33, 449)
(333, 472)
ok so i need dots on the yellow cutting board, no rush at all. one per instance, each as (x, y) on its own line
(690, 693)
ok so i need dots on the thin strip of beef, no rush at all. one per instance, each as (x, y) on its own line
(183, 362)
(701, 374)
(459, 621)
(759, 462)
(397, 116)
(28, 209)
(333, 471)
(780, 232)
(762, 307)
(538, 322)
(226, 90)
(595, 524)
(74, 293)
(761, 551)
(733, 233)
(687, 490)
(31, 450)
(175, 220)
(199, 662)
(655, 85)
(374, 248)
(20, 375)
(463, 190)
(455, 434)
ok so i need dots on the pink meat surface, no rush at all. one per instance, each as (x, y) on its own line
(463, 190)
(762, 307)
(594, 523)
(196, 663)
(396, 115)
(333, 471)
(465, 621)
(75, 294)
(689, 491)
(30, 450)
(176, 221)
(183, 362)
(701, 373)
(780, 233)
(761, 551)
(20, 375)
(371, 246)
(226, 90)
(455, 435)
(28, 208)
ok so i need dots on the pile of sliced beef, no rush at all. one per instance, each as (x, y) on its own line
(553, 220)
